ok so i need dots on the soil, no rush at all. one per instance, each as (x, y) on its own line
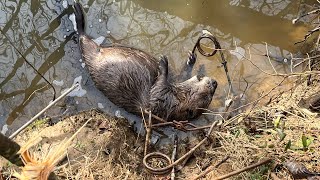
(108, 148)
(285, 130)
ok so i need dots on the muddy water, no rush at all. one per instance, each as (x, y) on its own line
(43, 32)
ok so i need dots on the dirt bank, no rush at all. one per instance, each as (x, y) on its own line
(108, 148)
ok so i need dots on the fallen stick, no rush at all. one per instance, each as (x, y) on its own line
(211, 168)
(242, 170)
(164, 170)
(173, 156)
(148, 135)
(42, 111)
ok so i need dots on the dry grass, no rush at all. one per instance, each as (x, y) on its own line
(259, 133)
(116, 153)
(111, 153)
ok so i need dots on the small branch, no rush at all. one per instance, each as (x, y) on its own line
(243, 169)
(174, 154)
(306, 59)
(269, 58)
(156, 117)
(148, 135)
(291, 63)
(309, 34)
(311, 12)
(164, 170)
(211, 168)
(43, 110)
(309, 64)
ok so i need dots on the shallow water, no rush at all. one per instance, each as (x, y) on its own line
(44, 34)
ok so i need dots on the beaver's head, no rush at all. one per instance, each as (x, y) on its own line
(193, 96)
(183, 101)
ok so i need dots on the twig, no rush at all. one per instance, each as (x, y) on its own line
(45, 79)
(309, 34)
(174, 123)
(160, 155)
(279, 74)
(148, 135)
(317, 44)
(309, 64)
(156, 117)
(305, 59)
(42, 111)
(291, 63)
(243, 169)
(211, 168)
(174, 154)
(269, 59)
(308, 13)
(261, 97)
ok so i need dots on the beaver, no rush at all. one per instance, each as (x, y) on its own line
(134, 80)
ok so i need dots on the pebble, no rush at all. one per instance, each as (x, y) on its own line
(100, 105)
(72, 18)
(65, 4)
(4, 129)
(118, 114)
(58, 83)
(99, 40)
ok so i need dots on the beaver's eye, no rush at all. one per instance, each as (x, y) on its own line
(200, 77)
(190, 114)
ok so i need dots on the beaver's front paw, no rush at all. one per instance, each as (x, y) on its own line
(163, 65)
(192, 57)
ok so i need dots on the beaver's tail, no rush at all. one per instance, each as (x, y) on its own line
(79, 17)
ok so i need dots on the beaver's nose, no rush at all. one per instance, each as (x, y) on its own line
(213, 86)
(214, 83)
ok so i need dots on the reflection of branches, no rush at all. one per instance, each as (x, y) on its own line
(267, 51)
(4, 95)
(53, 25)
(53, 58)
(54, 90)
(280, 74)
(309, 34)
(284, 76)
(316, 29)
(13, 17)
(28, 94)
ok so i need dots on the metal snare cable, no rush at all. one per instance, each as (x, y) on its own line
(207, 35)
(164, 170)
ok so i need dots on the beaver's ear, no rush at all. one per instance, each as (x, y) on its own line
(163, 66)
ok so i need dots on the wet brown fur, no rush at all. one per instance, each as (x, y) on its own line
(132, 79)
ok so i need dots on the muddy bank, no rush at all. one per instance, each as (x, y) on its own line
(109, 148)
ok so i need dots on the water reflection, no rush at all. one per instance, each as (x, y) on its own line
(42, 31)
